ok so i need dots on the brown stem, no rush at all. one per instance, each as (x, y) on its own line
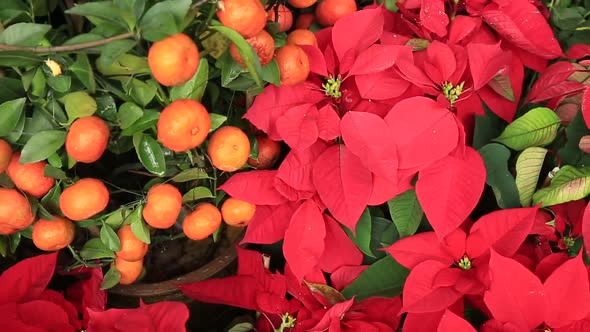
(66, 48)
(198, 3)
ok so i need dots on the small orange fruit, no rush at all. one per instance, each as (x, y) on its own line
(15, 211)
(268, 153)
(229, 148)
(84, 199)
(130, 271)
(183, 125)
(164, 202)
(247, 17)
(293, 64)
(301, 3)
(203, 221)
(29, 177)
(5, 155)
(132, 248)
(285, 19)
(330, 11)
(302, 37)
(174, 59)
(87, 139)
(263, 44)
(51, 235)
(236, 212)
(304, 20)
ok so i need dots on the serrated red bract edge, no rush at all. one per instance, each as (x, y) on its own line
(256, 187)
(515, 294)
(449, 189)
(339, 250)
(27, 279)
(450, 322)
(304, 239)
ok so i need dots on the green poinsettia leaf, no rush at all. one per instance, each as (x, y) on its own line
(538, 127)
(495, 157)
(406, 212)
(528, 169)
(569, 184)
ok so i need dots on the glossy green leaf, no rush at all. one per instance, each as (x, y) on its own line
(385, 277)
(271, 74)
(13, 88)
(190, 175)
(242, 327)
(537, 127)
(570, 152)
(141, 92)
(149, 119)
(55, 173)
(14, 242)
(79, 104)
(195, 87)
(246, 52)
(116, 218)
(109, 238)
(150, 153)
(18, 59)
(4, 246)
(495, 157)
(123, 64)
(42, 145)
(406, 212)
(61, 83)
(17, 132)
(10, 114)
(84, 72)
(139, 228)
(24, 34)
(128, 114)
(102, 10)
(197, 193)
(163, 19)
(51, 199)
(216, 121)
(569, 184)
(487, 127)
(95, 249)
(111, 278)
(528, 169)
(112, 51)
(362, 239)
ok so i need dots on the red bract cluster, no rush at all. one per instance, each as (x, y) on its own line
(28, 305)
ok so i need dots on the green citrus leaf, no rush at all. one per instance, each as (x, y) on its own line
(190, 175)
(569, 184)
(95, 249)
(78, 104)
(111, 278)
(61, 83)
(55, 173)
(216, 121)
(129, 113)
(149, 119)
(10, 114)
(385, 277)
(18, 59)
(109, 238)
(150, 153)
(163, 19)
(195, 87)
(83, 72)
(42, 145)
(537, 127)
(528, 169)
(139, 228)
(24, 34)
(406, 212)
(495, 157)
(196, 194)
(103, 11)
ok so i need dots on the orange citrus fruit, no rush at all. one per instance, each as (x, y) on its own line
(5, 155)
(163, 205)
(87, 139)
(15, 211)
(268, 153)
(229, 148)
(247, 17)
(84, 199)
(304, 20)
(130, 271)
(132, 248)
(263, 44)
(29, 177)
(236, 212)
(301, 3)
(51, 235)
(201, 222)
(174, 59)
(293, 64)
(302, 37)
(285, 19)
(183, 125)
(330, 11)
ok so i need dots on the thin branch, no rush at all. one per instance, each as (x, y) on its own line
(199, 3)
(66, 48)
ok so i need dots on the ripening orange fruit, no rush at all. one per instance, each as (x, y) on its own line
(293, 64)
(183, 125)
(174, 59)
(5, 155)
(268, 153)
(301, 3)
(87, 139)
(302, 37)
(247, 17)
(330, 11)
(163, 205)
(263, 44)
(52, 235)
(285, 19)
(229, 148)
(201, 222)
(304, 20)
(30, 177)
(130, 271)
(132, 248)
(236, 212)
(84, 199)
(15, 211)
